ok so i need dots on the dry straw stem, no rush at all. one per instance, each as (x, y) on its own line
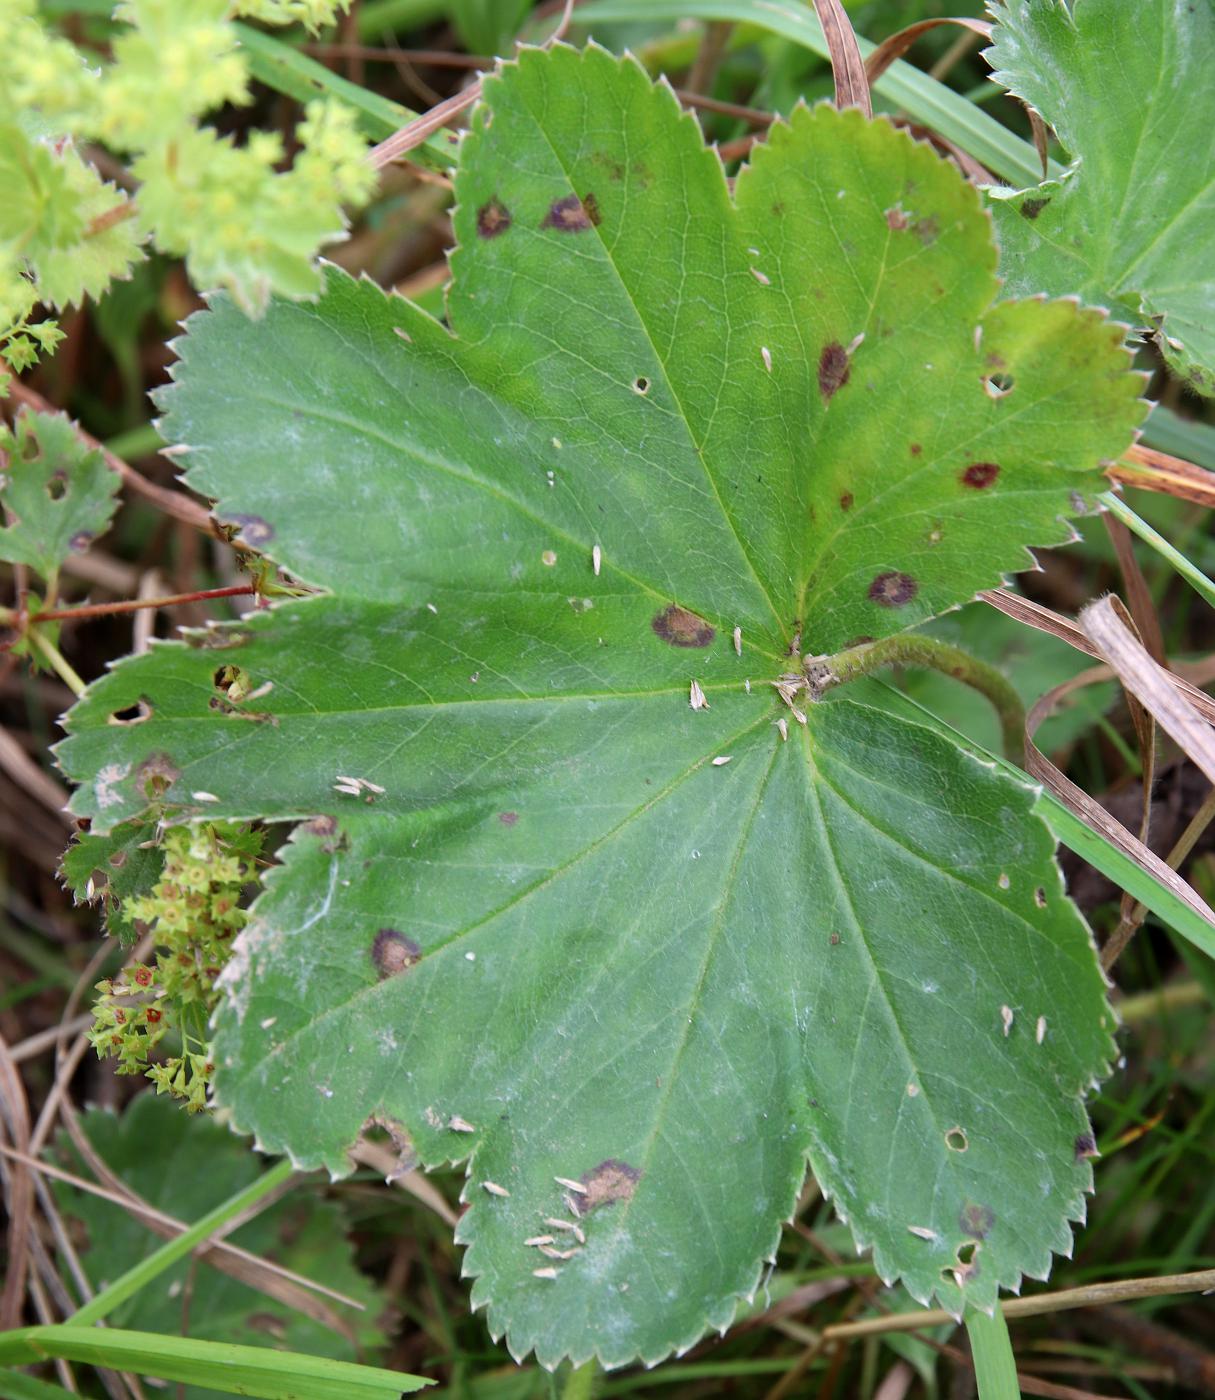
(897, 44)
(847, 67)
(1149, 470)
(421, 128)
(1151, 685)
(1092, 1295)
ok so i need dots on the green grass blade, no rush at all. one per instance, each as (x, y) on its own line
(903, 85)
(282, 67)
(1166, 431)
(169, 1253)
(234, 1370)
(16, 1385)
(1192, 574)
(995, 1366)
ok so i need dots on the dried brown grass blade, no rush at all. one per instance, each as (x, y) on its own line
(1044, 620)
(1149, 470)
(1041, 134)
(851, 84)
(897, 44)
(415, 132)
(1138, 594)
(18, 1190)
(285, 1286)
(1091, 812)
(1156, 689)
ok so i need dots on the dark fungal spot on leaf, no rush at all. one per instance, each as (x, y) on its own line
(321, 826)
(682, 628)
(915, 449)
(893, 589)
(833, 369)
(81, 540)
(835, 940)
(493, 218)
(252, 529)
(1085, 1146)
(926, 230)
(896, 219)
(156, 775)
(1031, 208)
(508, 818)
(573, 215)
(609, 1182)
(980, 475)
(976, 1221)
(846, 500)
(393, 952)
(118, 859)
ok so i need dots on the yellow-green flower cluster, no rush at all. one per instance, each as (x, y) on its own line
(193, 912)
(238, 218)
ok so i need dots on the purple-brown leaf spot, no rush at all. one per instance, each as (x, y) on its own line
(980, 475)
(893, 589)
(573, 215)
(252, 528)
(915, 449)
(682, 628)
(846, 500)
(493, 218)
(393, 952)
(508, 818)
(1085, 1146)
(976, 1221)
(609, 1182)
(833, 369)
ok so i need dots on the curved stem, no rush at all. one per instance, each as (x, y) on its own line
(56, 660)
(912, 649)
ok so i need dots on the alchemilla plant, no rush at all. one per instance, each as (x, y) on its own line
(595, 881)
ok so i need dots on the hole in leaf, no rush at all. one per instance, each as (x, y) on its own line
(966, 1252)
(997, 385)
(133, 714)
(955, 1140)
(641, 385)
(56, 487)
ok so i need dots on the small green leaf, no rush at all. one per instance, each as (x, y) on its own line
(1128, 90)
(58, 495)
(527, 917)
(111, 867)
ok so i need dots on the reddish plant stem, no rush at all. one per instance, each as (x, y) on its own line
(173, 599)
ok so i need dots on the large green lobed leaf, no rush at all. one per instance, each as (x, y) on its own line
(1131, 225)
(527, 918)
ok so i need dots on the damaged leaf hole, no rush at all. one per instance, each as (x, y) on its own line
(156, 775)
(57, 485)
(997, 385)
(394, 952)
(682, 628)
(641, 385)
(956, 1140)
(133, 714)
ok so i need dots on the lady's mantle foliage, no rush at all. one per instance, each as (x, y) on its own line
(533, 917)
